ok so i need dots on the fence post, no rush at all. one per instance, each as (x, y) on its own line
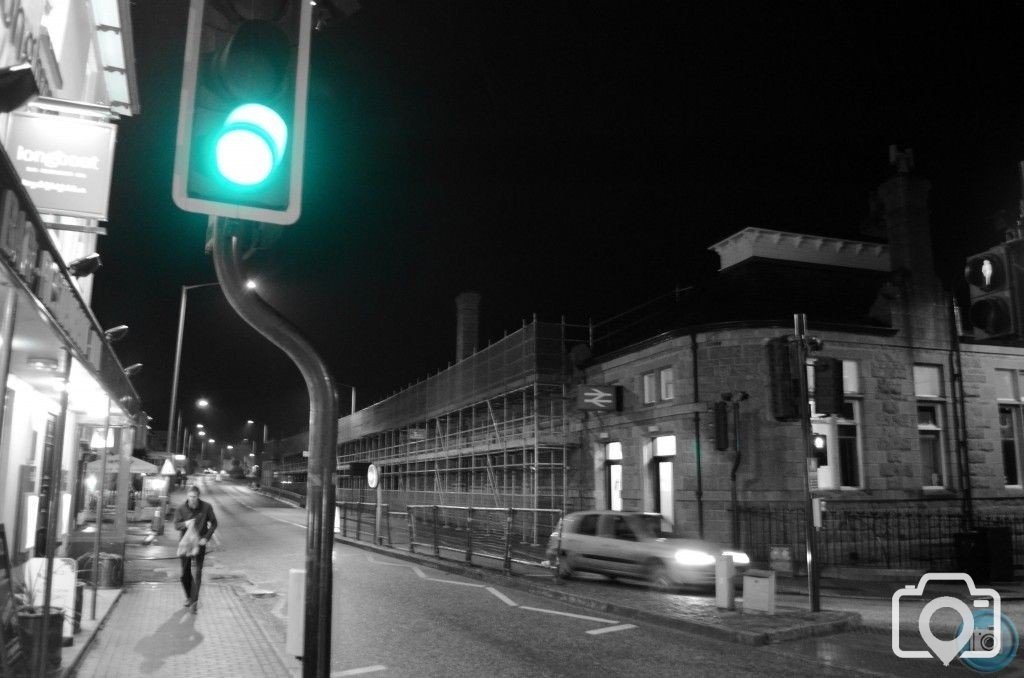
(344, 519)
(359, 520)
(469, 535)
(412, 529)
(508, 540)
(437, 546)
(387, 522)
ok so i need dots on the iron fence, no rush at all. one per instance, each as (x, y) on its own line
(880, 537)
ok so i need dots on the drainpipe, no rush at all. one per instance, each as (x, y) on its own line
(696, 438)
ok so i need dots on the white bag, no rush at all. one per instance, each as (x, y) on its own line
(189, 544)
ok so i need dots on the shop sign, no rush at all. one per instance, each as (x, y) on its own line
(65, 163)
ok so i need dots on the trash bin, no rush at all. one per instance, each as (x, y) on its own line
(30, 621)
(111, 571)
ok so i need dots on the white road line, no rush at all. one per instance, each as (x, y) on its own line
(502, 597)
(611, 629)
(570, 614)
(360, 671)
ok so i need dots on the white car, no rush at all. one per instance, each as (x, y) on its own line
(635, 545)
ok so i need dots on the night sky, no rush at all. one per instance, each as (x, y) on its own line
(560, 158)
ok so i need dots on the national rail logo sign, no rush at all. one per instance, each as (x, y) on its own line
(599, 398)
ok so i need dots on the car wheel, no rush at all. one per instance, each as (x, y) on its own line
(658, 576)
(565, 570)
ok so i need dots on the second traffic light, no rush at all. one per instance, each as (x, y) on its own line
(995, 287)
(242, 118)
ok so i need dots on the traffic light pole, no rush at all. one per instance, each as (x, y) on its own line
(323, 435)
(813, 593)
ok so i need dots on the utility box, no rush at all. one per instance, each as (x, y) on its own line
(295, 641)
(759, 591)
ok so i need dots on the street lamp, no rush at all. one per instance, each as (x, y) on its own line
(171, 437)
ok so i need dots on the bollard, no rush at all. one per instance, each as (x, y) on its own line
(295, 638)
(725, 592)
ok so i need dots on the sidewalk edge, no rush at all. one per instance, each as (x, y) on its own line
(71, 669)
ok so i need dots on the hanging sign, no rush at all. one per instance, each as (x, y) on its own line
(65, 163)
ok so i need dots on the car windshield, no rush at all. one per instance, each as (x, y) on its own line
(652, 526)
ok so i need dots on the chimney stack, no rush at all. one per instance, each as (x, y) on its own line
(467, 324)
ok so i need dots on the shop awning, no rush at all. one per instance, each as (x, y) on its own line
(135, 465)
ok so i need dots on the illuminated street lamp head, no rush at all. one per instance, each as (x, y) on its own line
(200, 426)
(250, 284)
(202, 402)
(248, 421)
(201, 434)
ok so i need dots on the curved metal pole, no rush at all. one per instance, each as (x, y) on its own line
(323, 436)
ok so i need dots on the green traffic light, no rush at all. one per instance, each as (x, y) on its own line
(251, 144)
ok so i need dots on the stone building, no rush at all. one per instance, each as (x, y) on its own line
(926, 445)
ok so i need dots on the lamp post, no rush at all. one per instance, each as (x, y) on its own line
(177, 364)
(353, 390)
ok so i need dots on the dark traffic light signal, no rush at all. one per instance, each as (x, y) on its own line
(784, 377)
(995, 285)
(721, 409)
(241, 123)
(828, 385)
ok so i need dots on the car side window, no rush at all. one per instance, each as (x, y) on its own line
(622, 530)
(588, 525)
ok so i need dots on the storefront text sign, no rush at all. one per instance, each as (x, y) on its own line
(65, 163)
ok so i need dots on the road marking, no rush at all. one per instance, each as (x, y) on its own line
(502, 597)
(570, 614)
(360, 671)
(611, 629)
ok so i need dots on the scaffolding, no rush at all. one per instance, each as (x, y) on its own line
(490, 431)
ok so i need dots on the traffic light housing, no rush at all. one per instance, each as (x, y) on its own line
(995, 287)
(784, 379)
(828, 385)
(242, 117)
(721, 409)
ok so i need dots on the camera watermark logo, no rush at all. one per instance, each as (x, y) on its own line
(979, 640)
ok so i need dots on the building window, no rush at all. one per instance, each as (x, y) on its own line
(928, 388)
(1009, 434)
(838, 436)
(613, 464)
(659, 454)
(650, 388)
(667, 379)
(659, 385)
(1011, 415)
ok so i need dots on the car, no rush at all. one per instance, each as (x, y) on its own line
(635, 545)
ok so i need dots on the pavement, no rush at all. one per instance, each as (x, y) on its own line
(143, 628)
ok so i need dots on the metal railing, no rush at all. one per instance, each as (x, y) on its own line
(498, 534)
(880, 537)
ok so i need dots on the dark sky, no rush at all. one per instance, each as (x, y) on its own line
(561, 158)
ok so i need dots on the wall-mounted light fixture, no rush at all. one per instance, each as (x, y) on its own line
(87, 265)
(116, 333)
(133, 369)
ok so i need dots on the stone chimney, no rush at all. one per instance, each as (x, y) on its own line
(905, 213)
(467, 324)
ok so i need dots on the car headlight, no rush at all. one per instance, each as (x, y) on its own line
(738, 557)
(694, 558)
